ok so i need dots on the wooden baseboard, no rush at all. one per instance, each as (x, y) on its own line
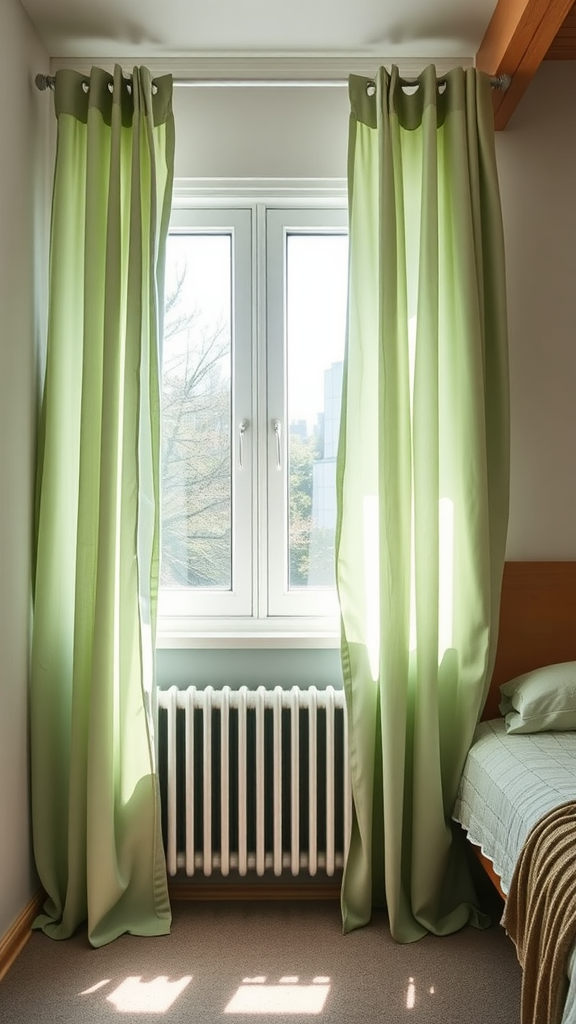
(17, 936)
(252, 891)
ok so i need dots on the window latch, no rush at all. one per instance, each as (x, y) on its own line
(278, 431)
(242, 428)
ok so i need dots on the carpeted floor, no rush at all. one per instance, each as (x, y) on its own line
(260, 961)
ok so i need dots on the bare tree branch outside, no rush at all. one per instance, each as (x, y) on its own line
(196, 458)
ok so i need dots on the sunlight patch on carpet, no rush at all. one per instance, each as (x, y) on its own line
(157, 996)
(99, 984)
(411, 993)
(288, 996)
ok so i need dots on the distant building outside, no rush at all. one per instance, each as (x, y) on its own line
(321, 571)
(324, 469)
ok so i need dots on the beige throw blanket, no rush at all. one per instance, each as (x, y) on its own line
(540, 913)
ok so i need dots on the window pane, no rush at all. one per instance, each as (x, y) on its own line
(196, 413)
(316, 285)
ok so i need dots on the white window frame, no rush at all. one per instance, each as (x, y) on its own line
(320, 601)
(189, 603)
(234, 619)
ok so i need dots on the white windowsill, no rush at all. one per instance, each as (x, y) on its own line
(247, 632)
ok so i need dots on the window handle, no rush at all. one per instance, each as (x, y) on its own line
(242, 428)
(278, 431)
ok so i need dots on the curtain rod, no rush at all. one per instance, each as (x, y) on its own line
(44, 82)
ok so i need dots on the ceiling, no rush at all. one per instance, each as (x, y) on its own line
(227, 39)
(161, 28)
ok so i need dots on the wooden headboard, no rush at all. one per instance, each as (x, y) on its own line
(537, 622)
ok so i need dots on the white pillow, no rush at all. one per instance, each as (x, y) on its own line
(541, 700)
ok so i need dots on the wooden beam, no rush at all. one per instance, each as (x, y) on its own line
(516, 41)
(564, 44)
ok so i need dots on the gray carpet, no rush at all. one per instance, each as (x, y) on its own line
(295, 958)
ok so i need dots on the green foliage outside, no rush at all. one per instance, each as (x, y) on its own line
(311, 548)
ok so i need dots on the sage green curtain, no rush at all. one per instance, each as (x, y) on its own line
(423, 480)
(95, 797)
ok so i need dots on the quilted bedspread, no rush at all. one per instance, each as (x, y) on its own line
(512, 788)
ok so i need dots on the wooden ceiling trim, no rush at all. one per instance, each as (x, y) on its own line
(516, 41)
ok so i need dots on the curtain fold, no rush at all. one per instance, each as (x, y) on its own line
(422, 480)
(95, 797)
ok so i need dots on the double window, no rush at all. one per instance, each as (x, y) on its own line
(254, 331)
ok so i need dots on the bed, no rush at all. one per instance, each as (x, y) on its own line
(522, 767)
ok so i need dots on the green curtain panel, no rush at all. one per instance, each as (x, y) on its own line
(423, 482)
(95, 796)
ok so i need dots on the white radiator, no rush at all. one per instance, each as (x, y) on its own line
(254, 780)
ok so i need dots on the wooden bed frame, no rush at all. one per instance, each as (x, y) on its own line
(537, 627)
(537, 622)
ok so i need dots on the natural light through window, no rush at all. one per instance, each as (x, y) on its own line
(133, 995)
(412, 643)
(411, 993)
(446, 576)
(316, 292)
(371, 565)
(254, 334)
(372, 559)
(288, 996)
(157, 996)
(445, 539)
(94, 988)
(196, 413)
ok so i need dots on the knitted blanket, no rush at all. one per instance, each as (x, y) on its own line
(540, 913)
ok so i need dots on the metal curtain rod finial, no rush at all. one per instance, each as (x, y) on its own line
(502, 82)
(44, 82)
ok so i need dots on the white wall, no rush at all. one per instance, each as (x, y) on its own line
(24, 188)
(248, 132)
(537, 166)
